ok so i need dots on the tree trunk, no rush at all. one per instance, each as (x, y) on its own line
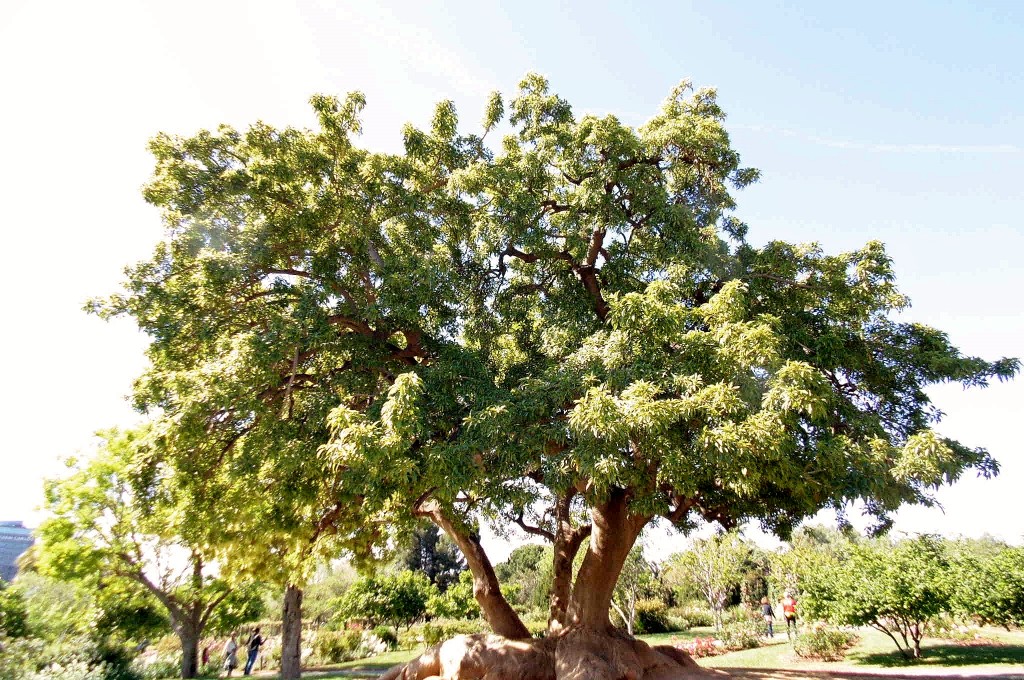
(188, 632)
(566, 544)
(498, 613)
(614, 532)
(291, 634)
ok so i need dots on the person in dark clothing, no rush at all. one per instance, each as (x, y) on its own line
(769, 616)
(255, 642)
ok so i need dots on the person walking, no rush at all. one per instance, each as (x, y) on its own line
(789, 613)
(768, 615)
(255, 642)
(230, 655)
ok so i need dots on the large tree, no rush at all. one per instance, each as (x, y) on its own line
(569, 333)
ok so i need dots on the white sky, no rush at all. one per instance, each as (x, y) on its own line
(863, 129)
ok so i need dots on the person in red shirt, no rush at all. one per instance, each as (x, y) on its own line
(789, 613)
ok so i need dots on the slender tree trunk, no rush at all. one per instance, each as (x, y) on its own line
(622, 615)
(291, 633)
(499, 614)
(614, 532)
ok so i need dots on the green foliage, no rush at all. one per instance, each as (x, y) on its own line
(13, 613)
(431, 553)
(713, 568)
(125, 609)
(338, 646)
(637, 582)
(526, 574)
(18, 656)
(743, 633)
(55, 609)
(824, 643)
(398, 599)
(700, 617)
(989, 587)
(241, 605)
(122, 524)
(162, 668)
(457, 602)
(387, 636)
(328, 584)
(652, 617)
(895, 588)
(439, 631)
(481, 330)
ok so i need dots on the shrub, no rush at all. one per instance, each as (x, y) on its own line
(77, 669)
(700, 647)
(210, 670)
(410, 638)
(824, 643)
(740, 614)
(741, 634)
(651, 617)
(678, 624)
(435, 632)
(337, 646)
(694, 616)
(536, 621)
(17, 657)
(163, 667)
(387, 636)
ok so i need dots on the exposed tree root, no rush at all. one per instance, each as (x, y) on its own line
(578, 654)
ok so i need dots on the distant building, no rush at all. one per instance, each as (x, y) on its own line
(14, 540)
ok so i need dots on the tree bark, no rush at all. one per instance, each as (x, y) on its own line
(291, 633)
(187, 628)
(566, 544)
(614, 531)
(499, 614)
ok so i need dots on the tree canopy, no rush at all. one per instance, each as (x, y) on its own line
(567, 332)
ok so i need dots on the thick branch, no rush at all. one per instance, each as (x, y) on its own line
(615, 530)
(502, 619)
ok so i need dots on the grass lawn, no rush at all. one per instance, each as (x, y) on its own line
(875, 652)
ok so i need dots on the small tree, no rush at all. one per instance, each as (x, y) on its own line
(526, 574)
(895, 588)
(637, 580)
(713, 567)
(457, 602)
(327, 585)
(116, 517)
(989, 588)
(431, 553)
(398, 599)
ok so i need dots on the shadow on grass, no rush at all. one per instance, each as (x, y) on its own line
(946, 655)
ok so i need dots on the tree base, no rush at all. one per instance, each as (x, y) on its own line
(577, 654)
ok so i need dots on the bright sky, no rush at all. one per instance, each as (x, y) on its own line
(902, 122)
